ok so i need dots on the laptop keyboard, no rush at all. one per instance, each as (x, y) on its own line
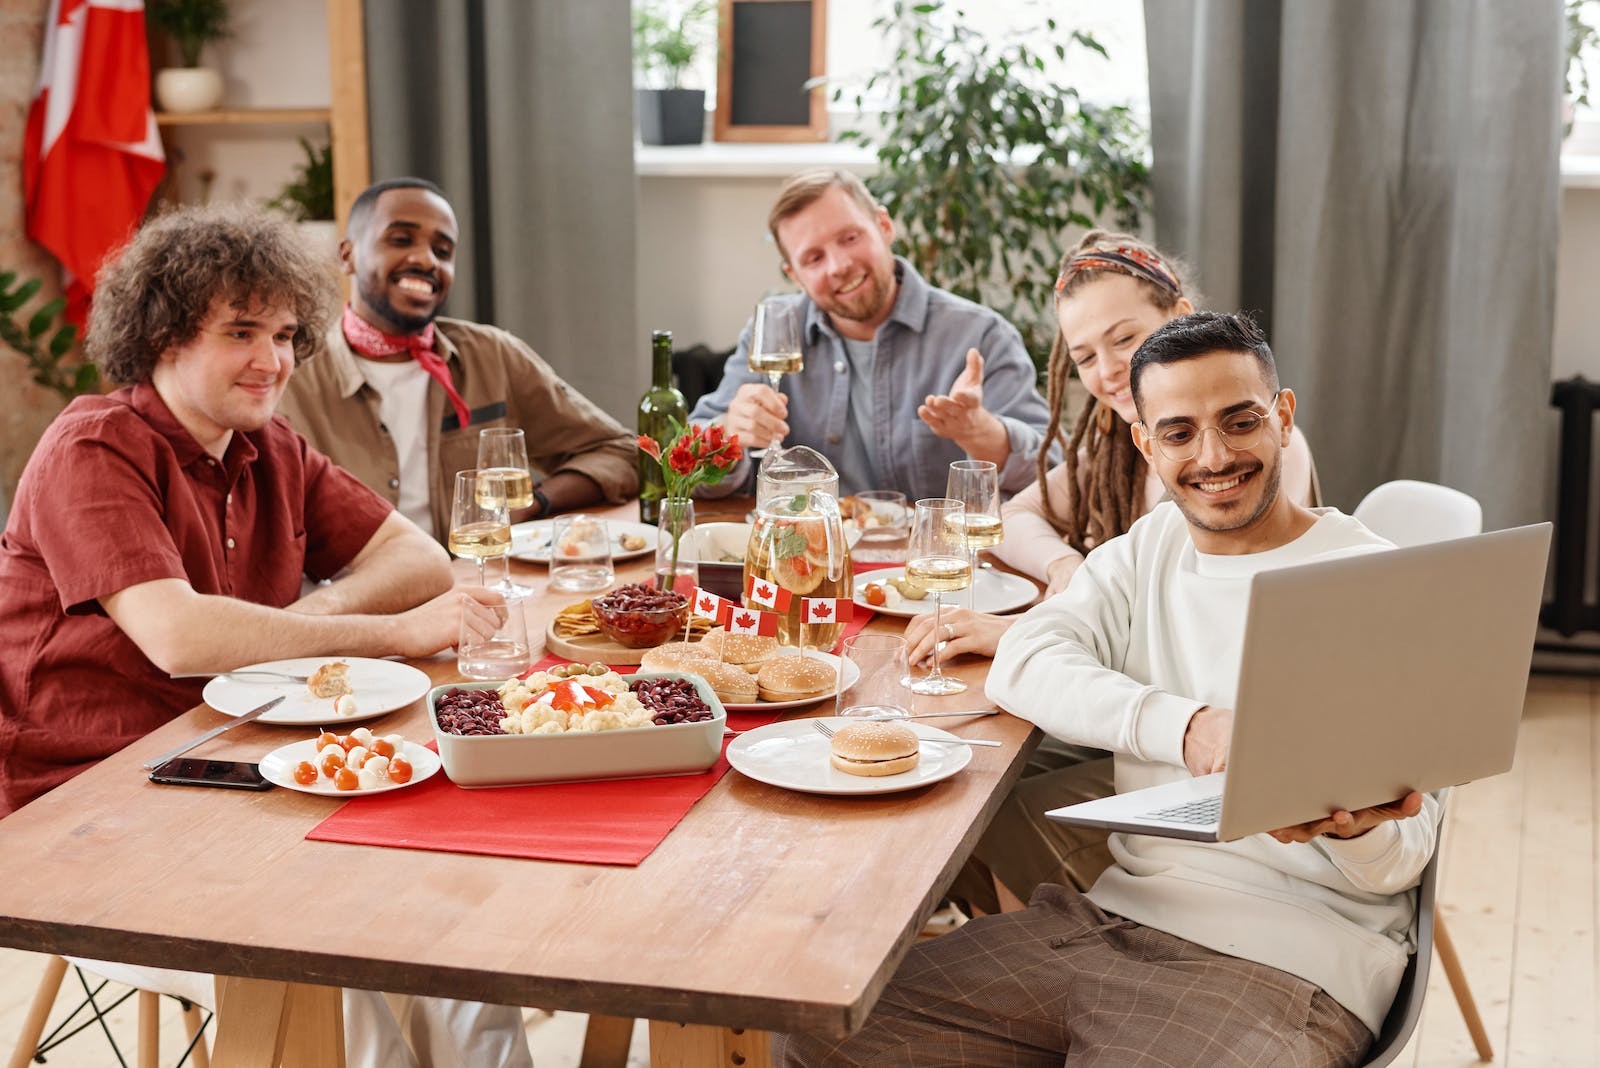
(1202, 812)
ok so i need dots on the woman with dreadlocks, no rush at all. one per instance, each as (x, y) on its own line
(1112, 292)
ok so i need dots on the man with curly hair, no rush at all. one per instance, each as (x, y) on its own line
(402, 393)
(165, 528)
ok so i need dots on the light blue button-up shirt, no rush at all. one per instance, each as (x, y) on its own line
(921, 349)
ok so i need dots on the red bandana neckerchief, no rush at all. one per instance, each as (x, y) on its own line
(371, 342)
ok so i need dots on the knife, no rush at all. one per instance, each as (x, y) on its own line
(942, 715)
(213, 732)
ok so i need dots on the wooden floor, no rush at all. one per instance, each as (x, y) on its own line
(1519, 889)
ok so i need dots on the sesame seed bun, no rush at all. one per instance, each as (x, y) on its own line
(732, 685)
(749, 651)
(874, 747)
(676, 656)
(796, 678)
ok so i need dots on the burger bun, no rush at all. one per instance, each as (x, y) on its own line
(796, 678)
(873, 748)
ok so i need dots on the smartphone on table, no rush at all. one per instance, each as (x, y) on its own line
(197, 771)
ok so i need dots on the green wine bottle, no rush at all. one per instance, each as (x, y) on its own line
(660, 405)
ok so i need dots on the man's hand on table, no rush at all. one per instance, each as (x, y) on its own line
(1343, 824)
(438, 624)
(758, 414)
(1205, 742)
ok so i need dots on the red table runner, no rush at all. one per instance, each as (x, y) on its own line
(617, 821)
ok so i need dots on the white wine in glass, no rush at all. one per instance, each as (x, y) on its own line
(976, 484)
(775, 342)
(937, 560)
(480, 525)
(503, 459)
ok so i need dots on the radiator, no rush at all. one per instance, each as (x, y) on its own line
(1570, 610)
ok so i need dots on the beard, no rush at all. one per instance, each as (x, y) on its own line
(867, 301)
(1270, 477)
(378, 300)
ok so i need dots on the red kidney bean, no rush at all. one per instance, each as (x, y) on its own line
(671, 700)
(470, 712)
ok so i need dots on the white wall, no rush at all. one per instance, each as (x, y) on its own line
(1577, 336)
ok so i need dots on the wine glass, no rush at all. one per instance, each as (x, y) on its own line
(480, 525)
(936, 560)
(503, 459)
(775, 343)
(976, 483)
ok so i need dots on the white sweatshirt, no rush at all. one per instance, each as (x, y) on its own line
(1147, 634)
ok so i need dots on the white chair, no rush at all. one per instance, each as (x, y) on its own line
(192, 992)
(1414, 513)
(1407, 1007)
(1408, 512)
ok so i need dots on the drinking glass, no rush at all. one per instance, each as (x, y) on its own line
(503, 654)
(976, 483)
(503, 459)
(879, 689)
(936, 560)
(775, 343)
(580, 554)
(884, 526)
(480, 526)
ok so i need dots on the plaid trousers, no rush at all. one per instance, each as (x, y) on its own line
(1063, 983)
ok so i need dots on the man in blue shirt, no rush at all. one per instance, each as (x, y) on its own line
(900, 378)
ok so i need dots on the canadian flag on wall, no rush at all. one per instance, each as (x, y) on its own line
(826, 610)
(767, 594)
(91, 157)
(749, 621)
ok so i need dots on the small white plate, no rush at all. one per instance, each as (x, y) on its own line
(994, 592)
(531, 541)
(794, 755)
(380, 686)
(851, 674)
(278, 767)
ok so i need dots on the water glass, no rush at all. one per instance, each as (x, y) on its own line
(885, 523)
(880, 688)
(580, 554)
(502, 655)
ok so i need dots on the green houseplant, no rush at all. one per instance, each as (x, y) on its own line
(666, 39)
(985, 160)
(1582, 35)
(308, 197)
(44, 339)
(192, 24)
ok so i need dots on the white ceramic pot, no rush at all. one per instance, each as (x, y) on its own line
(188, 88)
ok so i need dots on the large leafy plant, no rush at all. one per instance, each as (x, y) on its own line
(44, 339)
(986, 160)
(1582, 35)
(192, 23)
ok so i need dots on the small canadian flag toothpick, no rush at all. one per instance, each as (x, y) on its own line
(708, 605)
(827, 610)
(751, 621)
(767, 594)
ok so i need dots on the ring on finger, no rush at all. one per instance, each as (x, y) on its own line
(949, 632)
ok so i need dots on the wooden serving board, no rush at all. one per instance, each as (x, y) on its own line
(591, 647)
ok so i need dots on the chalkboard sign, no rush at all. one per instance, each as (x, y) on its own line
(767, 51)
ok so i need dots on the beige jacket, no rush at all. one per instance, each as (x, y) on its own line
(502, 381)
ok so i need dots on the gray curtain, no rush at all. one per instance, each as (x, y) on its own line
(1380, 180)
(522, 111)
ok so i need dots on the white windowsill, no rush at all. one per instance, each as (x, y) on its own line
(720, 159)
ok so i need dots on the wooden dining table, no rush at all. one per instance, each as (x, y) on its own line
(763, 910)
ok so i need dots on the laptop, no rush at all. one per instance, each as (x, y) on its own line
(1361, 679)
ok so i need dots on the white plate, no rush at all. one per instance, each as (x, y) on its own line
(994, 592)
(380, 686)
(851, 674)
(278, 767)
(794, 755)
(531, 541)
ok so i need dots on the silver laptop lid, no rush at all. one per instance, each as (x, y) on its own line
(1365, 677)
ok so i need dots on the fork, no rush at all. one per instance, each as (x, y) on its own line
(827, 732)
(244, 674)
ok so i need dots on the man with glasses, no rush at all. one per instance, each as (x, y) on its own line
(1282, 948)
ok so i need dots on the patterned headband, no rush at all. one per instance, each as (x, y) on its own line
(1123, 259)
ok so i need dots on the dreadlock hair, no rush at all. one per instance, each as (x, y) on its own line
(1105, 502)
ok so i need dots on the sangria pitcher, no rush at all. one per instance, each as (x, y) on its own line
(798, 542)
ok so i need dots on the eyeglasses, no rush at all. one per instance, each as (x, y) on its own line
(1180, 442)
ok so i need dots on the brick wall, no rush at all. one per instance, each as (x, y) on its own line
(25, 408)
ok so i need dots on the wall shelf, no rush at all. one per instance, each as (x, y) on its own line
(244, 116)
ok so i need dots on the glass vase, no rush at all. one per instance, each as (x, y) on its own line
(677, 565)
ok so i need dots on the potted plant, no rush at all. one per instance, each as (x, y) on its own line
(666, 38)
(985, 161)
(308, 197)
(191, 24)
(1582, 35)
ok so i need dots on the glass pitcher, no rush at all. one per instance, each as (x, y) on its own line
(795, 472)
(798, 544)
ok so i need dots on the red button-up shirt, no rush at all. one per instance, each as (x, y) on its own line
(117, 493)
